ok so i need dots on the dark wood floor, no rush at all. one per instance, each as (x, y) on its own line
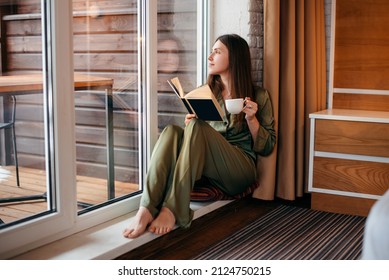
(185, 244)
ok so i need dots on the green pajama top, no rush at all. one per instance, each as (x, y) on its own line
(266, 137)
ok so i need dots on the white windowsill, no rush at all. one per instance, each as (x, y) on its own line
(104, 241)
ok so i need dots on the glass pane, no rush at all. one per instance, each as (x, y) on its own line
(107, 113)
(177, 45)
(23, 183)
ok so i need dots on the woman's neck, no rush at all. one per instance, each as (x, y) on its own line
(226, 94)
(227, 88)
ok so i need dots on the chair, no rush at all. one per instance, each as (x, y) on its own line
(11, 124)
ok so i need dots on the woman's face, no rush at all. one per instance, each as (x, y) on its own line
(218, 59)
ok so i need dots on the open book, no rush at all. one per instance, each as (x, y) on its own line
(199, 101)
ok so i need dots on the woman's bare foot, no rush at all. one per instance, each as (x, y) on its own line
(138, 226)
(164, 222)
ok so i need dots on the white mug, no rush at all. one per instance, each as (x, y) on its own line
(234, 106)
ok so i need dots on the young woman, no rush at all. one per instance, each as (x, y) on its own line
(223, 152)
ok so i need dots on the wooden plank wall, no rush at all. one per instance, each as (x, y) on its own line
(361, 59)
(109, 50)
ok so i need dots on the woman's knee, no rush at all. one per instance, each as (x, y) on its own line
(196, 124)
(196, 129)
(172, 129)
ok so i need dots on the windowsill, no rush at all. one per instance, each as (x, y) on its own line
(104, 241)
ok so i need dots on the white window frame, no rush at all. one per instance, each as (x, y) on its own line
(21, 237)
(45, 229)
(48, 228)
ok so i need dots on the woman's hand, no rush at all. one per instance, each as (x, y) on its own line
(250, 109)
(188, 117)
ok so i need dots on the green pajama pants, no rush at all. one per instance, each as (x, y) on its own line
(183, 156)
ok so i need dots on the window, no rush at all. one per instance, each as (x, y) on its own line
(107, 118)
(25, 179)
(83, 138)
(177, 44)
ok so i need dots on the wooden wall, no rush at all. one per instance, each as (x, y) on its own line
(361, 62)
(104, 45)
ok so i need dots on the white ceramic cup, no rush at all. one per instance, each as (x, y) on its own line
(234, 106)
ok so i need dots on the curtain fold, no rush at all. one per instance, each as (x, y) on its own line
(295, 75)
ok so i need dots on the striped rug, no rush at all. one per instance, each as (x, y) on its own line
(293, 233)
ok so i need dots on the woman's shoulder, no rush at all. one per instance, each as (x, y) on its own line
(261, 94)
(259, 90)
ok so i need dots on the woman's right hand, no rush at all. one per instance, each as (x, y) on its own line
(188, 117)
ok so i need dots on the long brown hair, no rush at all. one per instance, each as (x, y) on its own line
(239, 66)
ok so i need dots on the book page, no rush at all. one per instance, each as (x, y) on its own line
(176, 82)
(200, 92)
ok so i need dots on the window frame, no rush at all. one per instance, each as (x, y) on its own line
(65, 220)
(56, 25)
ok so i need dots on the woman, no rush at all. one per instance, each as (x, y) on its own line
(223, 152)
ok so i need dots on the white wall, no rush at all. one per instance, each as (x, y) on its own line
(229, 16)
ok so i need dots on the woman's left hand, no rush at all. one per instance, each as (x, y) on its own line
(250, 108)
(188, 118)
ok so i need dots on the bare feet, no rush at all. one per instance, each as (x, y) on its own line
(138, 226)
(164, 222)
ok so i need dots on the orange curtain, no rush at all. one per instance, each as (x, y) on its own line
(295, 75)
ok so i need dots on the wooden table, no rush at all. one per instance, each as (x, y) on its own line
(33, 83)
